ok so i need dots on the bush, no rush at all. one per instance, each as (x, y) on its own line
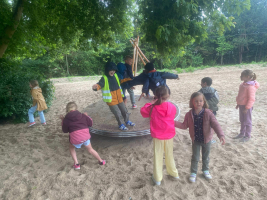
(15, 97)
(179, 70)
(190, 69)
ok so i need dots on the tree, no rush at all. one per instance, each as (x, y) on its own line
(223, 47)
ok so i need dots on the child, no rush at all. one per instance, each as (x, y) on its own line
(125, 74)
(38, 103)
(162, 114)
(112, 95)
(245, 100)
(210, 94)
(76, 124)
(200, 120)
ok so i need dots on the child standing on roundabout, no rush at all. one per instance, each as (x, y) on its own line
(113, 95)
(162, 114)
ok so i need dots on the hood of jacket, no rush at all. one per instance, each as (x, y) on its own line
(252, 83)
(74, 116)
(163, 109)
(110, 66)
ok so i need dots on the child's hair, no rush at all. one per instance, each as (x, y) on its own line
(249, 73)
(128, 57)
(161, 94)
(71, 106)
(207, 80)
(34, 83)
(194, 95)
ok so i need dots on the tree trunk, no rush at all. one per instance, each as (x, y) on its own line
(10, 30)
(221, 59)
(67, 65)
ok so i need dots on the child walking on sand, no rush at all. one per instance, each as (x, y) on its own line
(245, 100)
(38, 103)
(200, 120)
(162, 114)
(76, 124)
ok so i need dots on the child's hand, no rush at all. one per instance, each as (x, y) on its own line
(61, 117)
(142, 95)
(245, 111)
(133, 88)
(222, 140)
(85, 113)
(178, 78)
(236, 107)
(94, 87)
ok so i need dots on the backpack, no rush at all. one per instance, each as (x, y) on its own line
(121, 70)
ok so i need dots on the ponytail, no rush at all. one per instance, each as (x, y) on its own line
(161, 94)
(254, 77)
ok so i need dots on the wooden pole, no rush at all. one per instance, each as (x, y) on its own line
(140, 52)
(133, 59)
(136, 54)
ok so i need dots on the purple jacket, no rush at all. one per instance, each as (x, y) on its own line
(209, 123)
(77, 125)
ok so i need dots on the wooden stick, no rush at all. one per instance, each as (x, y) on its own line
(142, 59)
(138, 52)
(133, 59)
(141, 52)
(136, 59)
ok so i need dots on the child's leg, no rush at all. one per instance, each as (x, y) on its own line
(124, 111)
(116, 111)
(242, 120)
(73, 154)
(158, 148)
(131, 93)
(169, 160)
(248, 122)
(93, 152)
(205, 156)
(195, 156)
(30, 113)
(42, 117)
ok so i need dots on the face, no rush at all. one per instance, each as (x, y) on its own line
(30, 85)
(245, 78)
(111, 73)
(198, 102)
(129, 61)
(203, 84)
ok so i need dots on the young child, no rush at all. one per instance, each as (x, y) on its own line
(162, 114)
(76, 124)
(112, 95)
(245, 100)
(210, 94)
(200, 120)
(38, 103)
(125, 74)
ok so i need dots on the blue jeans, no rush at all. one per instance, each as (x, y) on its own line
(31, 117)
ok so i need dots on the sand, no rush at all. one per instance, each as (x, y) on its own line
(36, 163)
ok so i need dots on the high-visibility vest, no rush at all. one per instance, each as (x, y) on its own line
(107, 97)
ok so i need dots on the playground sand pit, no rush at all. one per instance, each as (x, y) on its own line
(36, 163)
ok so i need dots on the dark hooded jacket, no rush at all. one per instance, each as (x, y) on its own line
(113, 84)
(77, 125)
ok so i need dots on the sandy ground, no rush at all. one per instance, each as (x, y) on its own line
(36, 163)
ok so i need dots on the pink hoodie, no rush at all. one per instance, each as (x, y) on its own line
(246, 94)
(162, 120)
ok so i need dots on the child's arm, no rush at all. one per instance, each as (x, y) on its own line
(129, 71)
(89, 120)
(183, 125)
(251, 97)
(99, 85)
(145, 110)
(64, 126)
(216, 126)
(167, 75)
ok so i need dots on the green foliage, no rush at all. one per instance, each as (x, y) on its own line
(15, 97)
(179, 70)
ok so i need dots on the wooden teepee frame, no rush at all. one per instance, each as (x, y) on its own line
(137, 54)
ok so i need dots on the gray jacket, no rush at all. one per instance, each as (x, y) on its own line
(211, 96)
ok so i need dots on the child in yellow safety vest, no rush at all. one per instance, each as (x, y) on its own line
(113, 96)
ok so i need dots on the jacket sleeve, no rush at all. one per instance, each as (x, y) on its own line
(145, 110)
(183, 125)
(167, 75)
(145, 88)
(138, 80)
(64, 127)
(101, 83)
(89, 120)
(251, 97)
(129, 71)
(216, 126)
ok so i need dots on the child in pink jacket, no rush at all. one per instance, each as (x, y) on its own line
(162, 114)
(200, 121)
(245, 100)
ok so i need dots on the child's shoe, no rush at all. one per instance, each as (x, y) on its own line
(156, 182)
(102, 163)
(192, 177)
(31, 124)
(134, 106)
(238, 136)
(129, 123)
(77, 166)
(43, 123)
(245, 139)
(207, 175)
(123, 127)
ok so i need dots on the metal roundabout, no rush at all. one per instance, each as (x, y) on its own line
(129, 133)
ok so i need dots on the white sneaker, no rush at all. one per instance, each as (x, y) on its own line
(156, 182)
(207, 175)
(192, 177)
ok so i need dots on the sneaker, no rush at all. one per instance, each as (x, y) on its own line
(238, 136)
(43, 123)
(207, 175)
(31, 124)
(102, 163)
(129, 123)
(134, 106)
(245, 139)
(123, 127)
(213, 141)
(192, 177)
(156, 182)
(77, 166)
